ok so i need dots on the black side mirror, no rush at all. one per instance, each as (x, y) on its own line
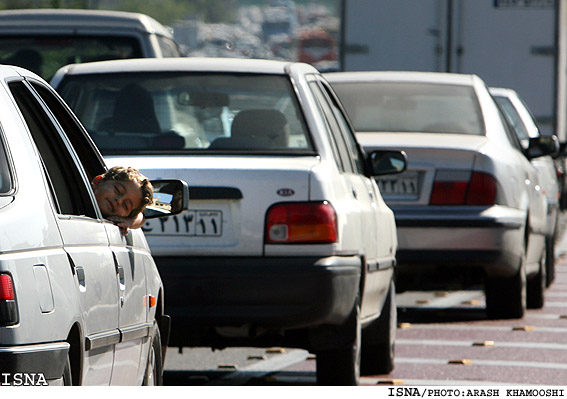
(171, 197)
(387, 162)
(543, 145)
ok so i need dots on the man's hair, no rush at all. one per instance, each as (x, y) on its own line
(123, 173)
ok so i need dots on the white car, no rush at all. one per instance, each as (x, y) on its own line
(80, 304)
(42, 40)
(525, 126)
(470, 205)
(288, 240)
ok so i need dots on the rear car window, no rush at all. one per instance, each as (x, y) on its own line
(45, 54)
(134, 113)
(411, 107)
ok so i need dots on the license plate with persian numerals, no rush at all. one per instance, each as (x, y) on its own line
(202, 223)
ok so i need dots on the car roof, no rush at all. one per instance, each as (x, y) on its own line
(190, 64)
(34, 20)
(401, 76)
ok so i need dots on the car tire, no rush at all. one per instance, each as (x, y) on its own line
(536, 285)
(341, 366)
(379, 337)
(154, 367)
(506, 296)
(550, 260)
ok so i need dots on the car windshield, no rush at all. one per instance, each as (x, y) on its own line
(44, 54)
(411, 107)
(135, 113)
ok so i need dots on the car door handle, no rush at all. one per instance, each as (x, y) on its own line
(120, 271)
(354, 193)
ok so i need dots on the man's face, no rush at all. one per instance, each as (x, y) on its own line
(117, 198)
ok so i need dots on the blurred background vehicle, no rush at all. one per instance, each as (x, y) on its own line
(470, 200)
(43, 40)
(288, 241)
(525, 127)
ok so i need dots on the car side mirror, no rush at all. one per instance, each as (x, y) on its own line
(543, 145)
(387, 162)
(171, 197)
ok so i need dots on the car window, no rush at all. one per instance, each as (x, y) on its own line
(137, 113)
(346, 131)
(64, 174)
(513, 117)
(89, 155)
(509, 129)
(342, 152)
(411, 107)
(44, 55)
(168, 47)
(6, 182)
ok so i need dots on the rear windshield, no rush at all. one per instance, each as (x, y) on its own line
(134, 113)
(411, 107)
(45, 54)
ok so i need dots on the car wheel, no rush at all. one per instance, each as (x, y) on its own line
(378, 339)
(506, 297)
(550, 260)
(154, 367)
(341, 366)
(536, 285)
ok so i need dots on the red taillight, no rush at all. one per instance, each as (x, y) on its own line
(6, 288)
(479, 190)
(301, 222)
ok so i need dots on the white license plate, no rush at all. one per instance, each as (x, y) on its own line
(404, 184)
(202, 223)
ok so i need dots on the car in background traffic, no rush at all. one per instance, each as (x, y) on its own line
(43, 40)
(288, 240)
(80, 304)
(525, 127)
(470, 205)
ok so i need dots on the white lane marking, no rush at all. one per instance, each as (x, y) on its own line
(452, 299)
(480, 362)
(424, 382)
(481, 327)
(497, 344)
(264, 367)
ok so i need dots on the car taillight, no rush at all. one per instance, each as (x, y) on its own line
(480, 189)
(300, 223)
(8, 309)
(6, 287)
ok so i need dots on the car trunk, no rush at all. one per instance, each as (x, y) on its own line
(229, 197)
(433, 160)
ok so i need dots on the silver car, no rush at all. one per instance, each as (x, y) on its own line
(288, 240)
(470, 205)
(80, 304)
(525, 127)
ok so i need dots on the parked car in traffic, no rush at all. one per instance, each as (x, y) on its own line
(470, 205)
(288, 240)
(80, 304)
(43, 40)
(524, 125)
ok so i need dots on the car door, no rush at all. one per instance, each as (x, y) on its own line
(83, 233)
(128, 255)
(364, 210)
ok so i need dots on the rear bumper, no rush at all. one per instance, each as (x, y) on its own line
(491, 239)
(33, 362)
(264, 293)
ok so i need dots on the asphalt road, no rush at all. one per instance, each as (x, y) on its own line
(443, 338)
